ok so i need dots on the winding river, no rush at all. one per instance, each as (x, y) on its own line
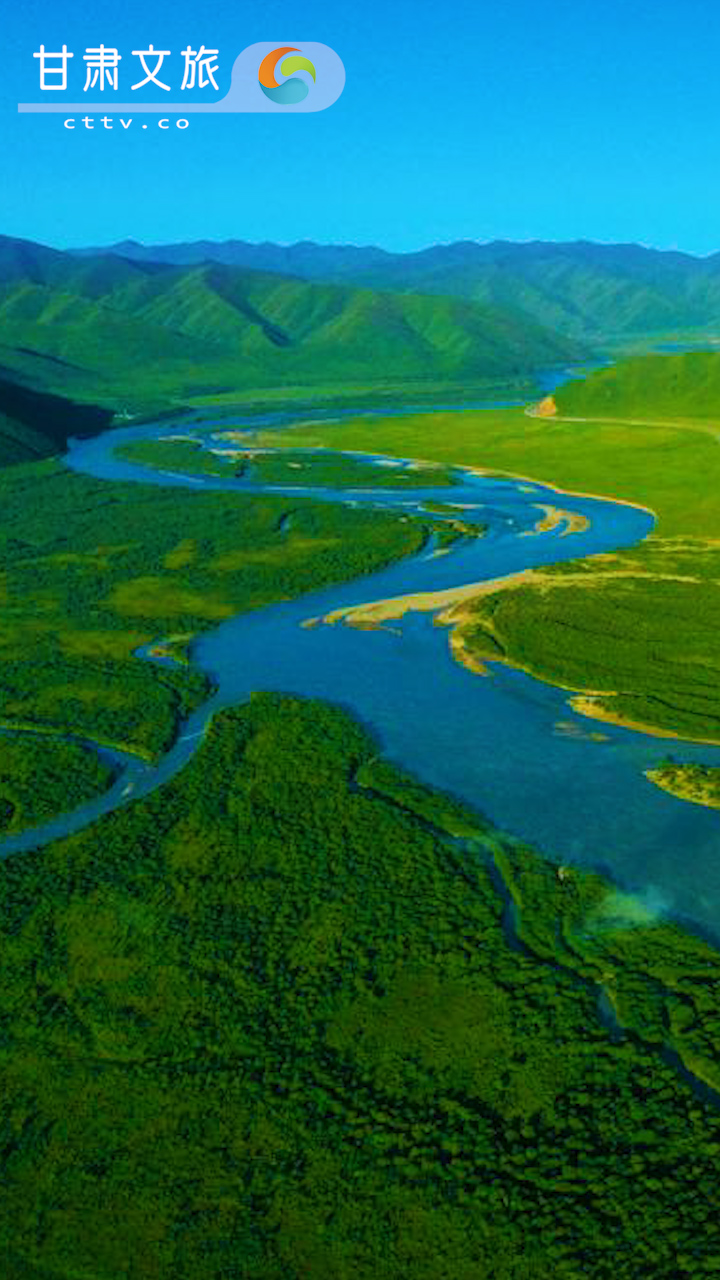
(508, 745)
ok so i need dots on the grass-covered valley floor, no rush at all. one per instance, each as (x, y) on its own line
(268, 1023)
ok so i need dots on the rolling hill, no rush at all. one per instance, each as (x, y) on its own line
(663, 388)
(595, 292)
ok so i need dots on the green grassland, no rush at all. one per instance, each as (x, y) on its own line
(327, 396)
(299, 467)
(43, 776)
(667, 387)
(673, 468)
(90, 570)
(268, 1023)
(660, 601)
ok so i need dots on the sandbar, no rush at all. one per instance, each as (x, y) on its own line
(553, 517)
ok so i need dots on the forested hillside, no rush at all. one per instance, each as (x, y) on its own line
(129, 335)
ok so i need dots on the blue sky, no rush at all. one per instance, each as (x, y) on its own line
(517, 120)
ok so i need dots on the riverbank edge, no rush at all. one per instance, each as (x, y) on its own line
(142, 754)
(452, 609)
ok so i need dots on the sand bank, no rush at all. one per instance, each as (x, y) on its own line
(553, 517)
(587, 704)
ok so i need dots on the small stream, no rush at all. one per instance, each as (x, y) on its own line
(606, 1012)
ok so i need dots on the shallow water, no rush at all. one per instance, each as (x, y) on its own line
(508, 745)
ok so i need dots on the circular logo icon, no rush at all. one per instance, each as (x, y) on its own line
(290, 90)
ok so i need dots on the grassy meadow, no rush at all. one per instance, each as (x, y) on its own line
(670, 387)
(672, 468)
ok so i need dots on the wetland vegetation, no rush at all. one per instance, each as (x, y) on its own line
(269, 1021)
(43, 776)
(90, 571)
(232, 454)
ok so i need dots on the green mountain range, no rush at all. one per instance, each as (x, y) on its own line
(134, 336)
(141, 329)
(592, 291)
(99, 319)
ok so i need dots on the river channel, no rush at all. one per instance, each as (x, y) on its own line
(508, 745)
